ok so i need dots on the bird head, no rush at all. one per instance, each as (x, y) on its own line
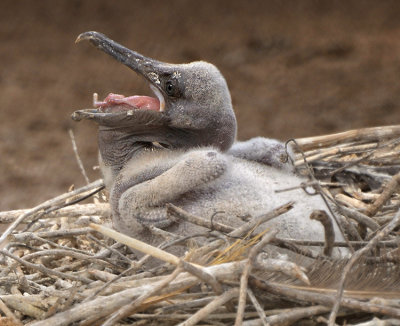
(192, 105)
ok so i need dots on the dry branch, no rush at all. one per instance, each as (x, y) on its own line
(209, 308)
(50, 203)
(356, 256)
(101, 209)
(364, 135)
(246, 273)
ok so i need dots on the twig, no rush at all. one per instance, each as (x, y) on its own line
(203, 275)
(212, 317)
(257, 306)
(209, 308)
(322, 193)
(130, 309)
(322, 216)
(356, 256)
(359, 217)
(389, 189)
(288, 318)
(100, 209)
(349, 227)
(107, 250)
(326, 152)
(136, 244)
(352, 202)
(327, 300)
(20, 303)
(9, 314)
(162, 233)
(102, 306)
(27, 236)
(246, 273)
(365, 134)
(34, 237)
(63, 253)
(264, 263)
(72, 296)
(45, 270)
(53, 309)
(78, 159)
(107, 284)
(179, 212)
(246, 227)
(48, 204)
(185, 305)
(314, 243)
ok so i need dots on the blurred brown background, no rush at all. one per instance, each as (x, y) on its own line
(295, 69)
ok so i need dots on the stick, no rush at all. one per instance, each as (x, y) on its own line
(246, 227)
(27, 236)
(323, 299)
(296, 314)
(212, 306)
(288, 268)
(48, 204)
(246, 272)
(21, 303)
(359, 217)
(45, 270)
(365, 134)
(101, 209)
(179, 212)
(385, 195)
(314, 243)
(9, 314)
(326, 152)
(257, 306)
(58, 253)
(322, 216)
(78, 159)
(131, 308)
(203, 275)
(104, 305)
(356, 256)
(136, 244)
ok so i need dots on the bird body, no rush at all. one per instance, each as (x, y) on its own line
(204, 182)
(180, 148)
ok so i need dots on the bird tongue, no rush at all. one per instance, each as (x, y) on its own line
(117, 103)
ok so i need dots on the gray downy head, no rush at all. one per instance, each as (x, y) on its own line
(191, 108)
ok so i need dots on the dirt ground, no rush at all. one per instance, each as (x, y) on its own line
(295, 69)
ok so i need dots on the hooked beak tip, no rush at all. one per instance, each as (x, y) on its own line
(86, 36)
(76, 116)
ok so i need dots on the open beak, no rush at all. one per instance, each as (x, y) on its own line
(119, 105)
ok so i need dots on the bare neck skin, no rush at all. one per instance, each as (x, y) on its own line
(116, 148)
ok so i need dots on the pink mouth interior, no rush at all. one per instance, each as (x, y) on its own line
(117, 103)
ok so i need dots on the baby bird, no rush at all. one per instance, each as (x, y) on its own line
(179, 147)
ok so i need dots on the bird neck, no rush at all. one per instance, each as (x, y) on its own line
(117, 147)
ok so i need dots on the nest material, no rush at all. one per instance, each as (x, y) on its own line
(60, 267)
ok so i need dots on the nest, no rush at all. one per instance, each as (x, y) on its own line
(62, 266)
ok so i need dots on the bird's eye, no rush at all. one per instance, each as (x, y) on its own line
(169, 88)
